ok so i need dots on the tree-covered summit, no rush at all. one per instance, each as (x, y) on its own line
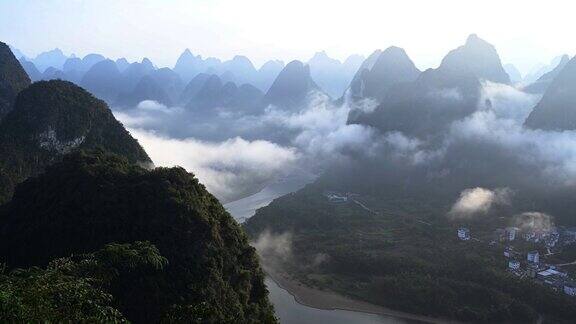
(50, 119)
(91, 199)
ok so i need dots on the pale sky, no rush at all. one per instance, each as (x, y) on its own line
(524, 32)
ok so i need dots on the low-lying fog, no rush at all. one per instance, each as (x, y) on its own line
(236, 155)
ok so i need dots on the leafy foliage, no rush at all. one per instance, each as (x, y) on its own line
(91, 199)
(73, 289)
(50, 119)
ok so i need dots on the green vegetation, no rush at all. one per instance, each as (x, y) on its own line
(74, 289)
(91, 199)
(50, 119)
(404, 255)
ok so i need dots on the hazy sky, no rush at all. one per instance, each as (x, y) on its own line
(524, 32)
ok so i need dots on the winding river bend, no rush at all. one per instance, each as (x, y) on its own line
(288, 310)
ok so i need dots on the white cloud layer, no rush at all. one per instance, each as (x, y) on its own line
(552, 153)
(321, 129)
(229, 169)
(233, 155)
(233, 167)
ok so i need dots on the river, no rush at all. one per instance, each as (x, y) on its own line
(288, 310)
(245, 208)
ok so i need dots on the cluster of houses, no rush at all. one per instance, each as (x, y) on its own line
(531, 267)
(506, 234)
(546, 274)
(549, 237)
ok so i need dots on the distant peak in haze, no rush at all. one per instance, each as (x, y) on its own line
(291, 87)
(392, 55)
(478, 57)
(273, 64)
(382, 70)
(321, 54)
(331, 75)
(322, 58)
(188, 55)
(241, 58)
(56, 51)
(473, 38)
(240, 63)
(53, 58)
(354, 59)
(296, 68)
(102, 79)
(147, 62)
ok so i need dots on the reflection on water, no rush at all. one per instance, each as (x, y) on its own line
(290, 312)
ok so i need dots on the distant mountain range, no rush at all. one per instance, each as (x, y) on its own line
(116, 81)
(331, 75)
(389, 78)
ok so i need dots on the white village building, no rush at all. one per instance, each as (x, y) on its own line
(511, 233)
(514, 265)
(533, 257)
(570, 288)
(464, 233)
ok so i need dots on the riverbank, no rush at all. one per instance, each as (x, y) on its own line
(246, 207)
(328, 300)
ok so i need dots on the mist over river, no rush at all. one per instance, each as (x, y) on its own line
(287, 309)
